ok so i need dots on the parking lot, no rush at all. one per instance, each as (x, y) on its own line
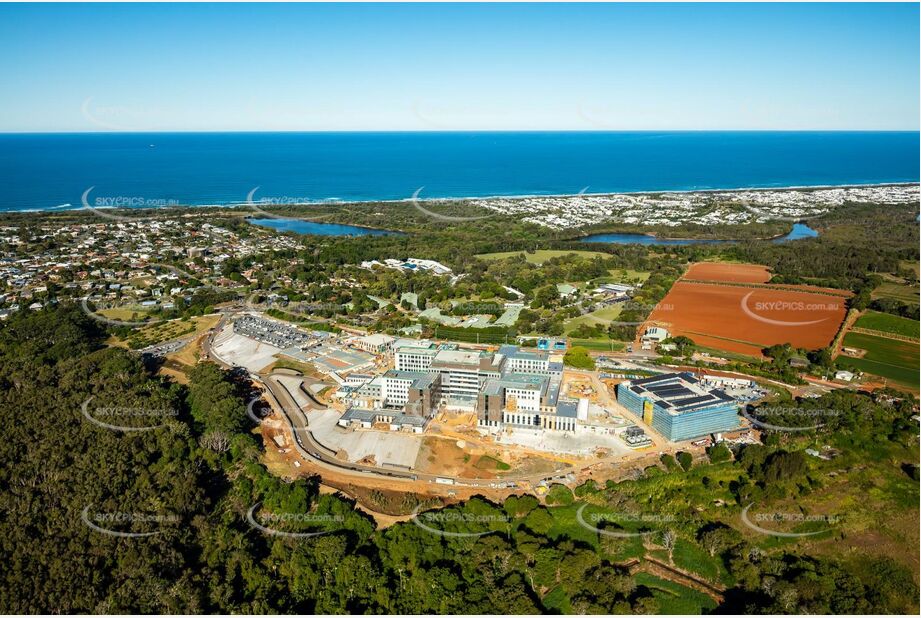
(236, 349)
(274, 333)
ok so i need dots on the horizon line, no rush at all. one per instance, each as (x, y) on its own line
(333, 131)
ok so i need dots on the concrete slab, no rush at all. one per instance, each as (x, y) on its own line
(293, 384)
(393, 448)
(240, 350)
(582, 442)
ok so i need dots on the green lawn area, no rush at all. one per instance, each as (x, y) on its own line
(557, 601)
(142, 282)
(601, 316)
(599, 345)
(674, 598)
(898, 291)
(887, 358)
(542, 255)
(285, 362)
(125, 314)
(621, 275)
(888, 323)
(736, 356)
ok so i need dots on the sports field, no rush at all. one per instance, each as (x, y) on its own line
(599, 345)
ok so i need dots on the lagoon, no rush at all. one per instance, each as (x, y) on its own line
(799, 231)
(319, 229)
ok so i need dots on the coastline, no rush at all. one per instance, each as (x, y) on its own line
(652, 192)
(475, 199)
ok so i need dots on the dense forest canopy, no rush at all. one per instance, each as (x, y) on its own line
(198, 475)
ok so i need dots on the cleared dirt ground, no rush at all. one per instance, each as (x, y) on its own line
(736, 318)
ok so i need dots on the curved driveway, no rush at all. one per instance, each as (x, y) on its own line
(307, 446)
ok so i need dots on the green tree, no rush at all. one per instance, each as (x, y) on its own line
(579, 358)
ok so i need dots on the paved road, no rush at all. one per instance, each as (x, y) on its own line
(206, 345)
(308, 447)
(162, 349)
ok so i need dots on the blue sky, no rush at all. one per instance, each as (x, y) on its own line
(458, 67)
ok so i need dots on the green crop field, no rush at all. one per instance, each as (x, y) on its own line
(887, 358)
(888, 323)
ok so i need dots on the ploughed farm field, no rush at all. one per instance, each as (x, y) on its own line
(729, 307)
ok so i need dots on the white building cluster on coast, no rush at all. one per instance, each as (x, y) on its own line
(700, 207)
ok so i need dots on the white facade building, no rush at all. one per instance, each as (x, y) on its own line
(374, 344)
(413, 358)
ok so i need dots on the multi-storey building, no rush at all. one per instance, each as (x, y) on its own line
(413, 358)
(678, 406)
(509, 387)
(375, 344)
(516, 360)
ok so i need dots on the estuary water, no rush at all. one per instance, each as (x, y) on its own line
(800, 230)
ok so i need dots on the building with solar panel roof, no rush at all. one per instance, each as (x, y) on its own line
(678, 406)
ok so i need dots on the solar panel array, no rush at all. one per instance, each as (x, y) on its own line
(676, 391)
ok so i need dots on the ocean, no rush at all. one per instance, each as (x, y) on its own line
(54, 171)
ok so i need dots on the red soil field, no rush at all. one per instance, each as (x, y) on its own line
(736, 273)
(748, 349)
(751, 317)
